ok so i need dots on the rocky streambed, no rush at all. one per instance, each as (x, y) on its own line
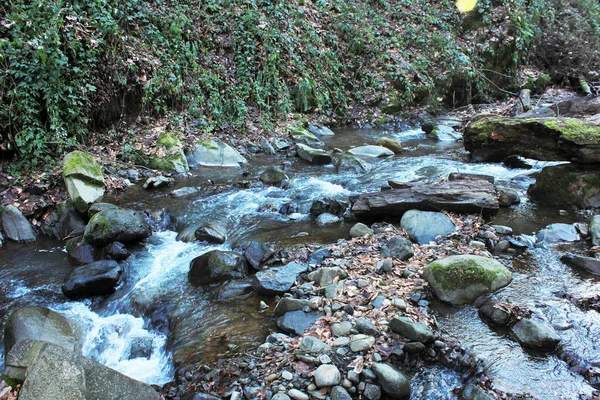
(296, 275)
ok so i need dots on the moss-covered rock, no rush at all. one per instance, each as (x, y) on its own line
(351, 164)
(214, 153)
(390, 144)
(301, 135)
(217, 266)
(273, 176)
(83, 178)
(567, 186)
(313, 156)
(168, 155)
(493, 138)
(120, 225)
(462, 279)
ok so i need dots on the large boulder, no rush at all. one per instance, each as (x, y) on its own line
(15, 225)
(351, 164)
(390, 144)
(424, 226)
(313, 156)
(595, 230)
(39, 323)
(277, 280)
(52, 372)
(168, 155)
(214, 153)
(557, 233)
(217, 266)
(83, 178)
(493, 138)
(273, 176)
(63, 222)
(567, 186)
(445, 133)
(590, 264)
(118, 224)
(462, 279)
(258, 253)
(303, 136)
(371, 151)
(393, 382)
(96, 279)
(535, 334)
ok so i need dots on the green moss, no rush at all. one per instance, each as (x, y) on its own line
(101, 225)
(462, 274)
(168, 140)
(539, 84)
(208, 144)
(83, 166)
(298, 130)
(574, 130)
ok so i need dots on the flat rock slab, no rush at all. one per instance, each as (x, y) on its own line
(371, 151)
(462, 196)
(589, 264)
(214, 153)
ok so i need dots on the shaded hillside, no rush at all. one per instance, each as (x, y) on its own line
(70, 67)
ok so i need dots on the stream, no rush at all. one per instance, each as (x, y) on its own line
(156, 319)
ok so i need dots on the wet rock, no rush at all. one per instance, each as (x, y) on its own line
(445, 133)
(258, 253)
(390, 144)
(371, 151)
(567, 185)
(117, 251)
(211, 233)
(214, 153)
(303, 136)
(98, 207)
(535, 334)
(393, 382)
(339, 393)
(595, 230)
(424, 226)
(273, 176)
(351, 164)
(63, 222)
(217, 266)
(15, 225)
(266, 146)
(502, 230)
(589, 264)
(297, 322)
(494, 315)
(462, 279)
(120, 225)
(327, 275)
(412, 330)
(313, 156)
(360, 230)
(398, 247)
(320, 130)
(414, 347)
(522, 241)
(157, 182)
(327, 375)
(341, 328)
(516, 162)
(372, 391)
(96, 279)
(81, 251)
(312, 345)
(507, 197)
(39, 323)
(360, 343)
(83, 179)
(328, 205)
(364, 325)
(277, 280)
(327, 219)
(318, 256)
(474, 392)
(556, 233)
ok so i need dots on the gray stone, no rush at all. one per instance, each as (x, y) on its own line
(63, 222)
(557, 233)
(96, 279)
(266, 146)
(462, 279)
(424, 226)
(320, 130)
(211, 233)
(393, 382)
(327, 375)
(341, 328)
(288, 304)
(15, 225)
(157, 182)
(273, 176)
(331, 291)
(341, 341)
(371, 151)
(364, 325)
(117, 225)
(399, 303)
(445, 133)
(297, 395)
(296, 322)
(303, 136)
(360, 343)
(327, 275)
(372, 391)
(412, 330)
(398, 247)
(339, 393)
(474, 392)
(318, 256)
(217, 266)
(258, 253)
(595, 230)
(312, 345)
(390, 144)
(378, 301)
(327, 219)
(507, 196)
(277, 280)
(351, 164)
(535, 334)
(39, 323)
(83, 179)
(494, 315)
(502, 230)
(590, 264)
(313, 156)
(214, 153)
(360, 230)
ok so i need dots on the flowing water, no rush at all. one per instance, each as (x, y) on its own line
(156, 319)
